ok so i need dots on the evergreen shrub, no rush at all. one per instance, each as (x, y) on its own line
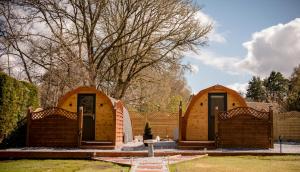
(15, 98)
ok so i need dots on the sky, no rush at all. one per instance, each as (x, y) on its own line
(250, 38)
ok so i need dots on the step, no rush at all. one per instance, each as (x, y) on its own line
(102, 147)
(97, 143)
(194, 147)
(196, 143)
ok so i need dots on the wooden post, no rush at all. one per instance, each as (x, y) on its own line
(80, 125)
(180, 122)
(29, 111)
(216, 114)
(115, 125)
(271, 127)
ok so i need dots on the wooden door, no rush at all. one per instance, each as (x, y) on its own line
(219, 100)
(87, 101)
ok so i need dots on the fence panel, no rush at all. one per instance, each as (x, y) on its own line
(287, 125)
(163, 124)
(53, 127)
(245, 127)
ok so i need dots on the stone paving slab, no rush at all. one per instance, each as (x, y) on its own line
(152, 166)
(147, 170)
(146, 164)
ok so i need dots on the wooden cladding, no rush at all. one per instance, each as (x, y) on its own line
(119, 123)
(245, 127)
(53, 127)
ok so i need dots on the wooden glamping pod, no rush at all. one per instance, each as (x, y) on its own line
(198, 122)
(106, 122)
(219, 117)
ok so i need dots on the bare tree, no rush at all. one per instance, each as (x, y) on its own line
(108, 43)
(155, 36)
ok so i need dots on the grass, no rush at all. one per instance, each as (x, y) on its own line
(240, 164)
(59, 166)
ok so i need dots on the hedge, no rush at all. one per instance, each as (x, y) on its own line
(15, 97)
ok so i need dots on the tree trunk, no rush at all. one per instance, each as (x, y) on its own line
(92, 76)
(120, 89)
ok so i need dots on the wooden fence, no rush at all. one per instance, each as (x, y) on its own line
(54, 127)
(244, 127)
(287, 125)
(163, 124)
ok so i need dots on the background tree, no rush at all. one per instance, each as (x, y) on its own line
(159, 91)
(293, 100)
(256, 90)
(276, 87)
(12, 38)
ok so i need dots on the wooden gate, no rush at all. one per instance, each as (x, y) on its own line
(54, 127)
(245, 127)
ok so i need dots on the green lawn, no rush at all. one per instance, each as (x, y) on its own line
(240, 164)
(59, 166)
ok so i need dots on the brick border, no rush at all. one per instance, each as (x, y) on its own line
(90, 154)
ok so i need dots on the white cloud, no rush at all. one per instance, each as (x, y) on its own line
(228, 64)
(216, 37)
(274, 48)
(239, 87)
(194, 68)
(213, 36)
